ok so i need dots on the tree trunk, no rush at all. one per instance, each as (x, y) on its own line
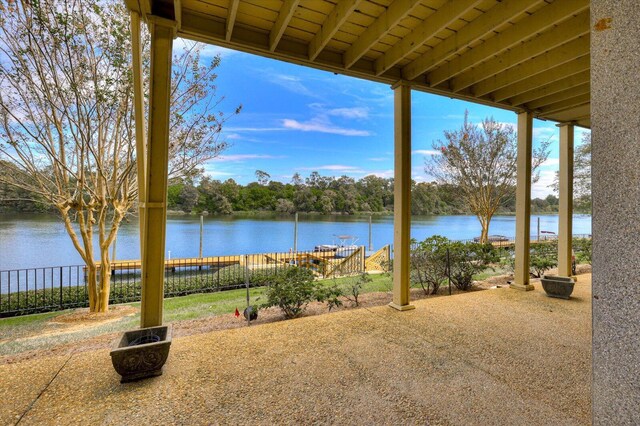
(484, 234)
(91, 285)
(105, 282)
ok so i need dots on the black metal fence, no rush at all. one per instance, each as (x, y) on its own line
(26, 291)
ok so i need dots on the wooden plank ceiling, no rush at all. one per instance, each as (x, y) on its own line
(515, 54)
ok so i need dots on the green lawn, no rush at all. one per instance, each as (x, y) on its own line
(14, 330)
(197, 305)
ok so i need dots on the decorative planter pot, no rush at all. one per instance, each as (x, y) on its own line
(560, 287)
(141, 353)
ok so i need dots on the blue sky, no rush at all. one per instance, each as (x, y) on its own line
(298, 119)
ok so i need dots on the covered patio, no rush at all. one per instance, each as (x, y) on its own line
(572, 61)
(487, 357)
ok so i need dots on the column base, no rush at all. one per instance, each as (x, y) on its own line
(522, 287)
(402, 307)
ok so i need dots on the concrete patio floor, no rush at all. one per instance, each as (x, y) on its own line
(488, 357)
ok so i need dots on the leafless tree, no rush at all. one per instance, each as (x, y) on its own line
(66, 118)
(481, 161)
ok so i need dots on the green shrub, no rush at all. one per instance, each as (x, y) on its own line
(354, 286)
(543, 256)
(42, 300)
(582, 248)
(428, 263)
(467, 259)
(508, 261)
(293, 289)
(127, 288)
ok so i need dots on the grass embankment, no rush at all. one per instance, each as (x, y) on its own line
(53, 329)
(39, 331)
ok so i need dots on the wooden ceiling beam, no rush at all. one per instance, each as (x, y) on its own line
(565, 105)
(558, 36)
(396, 12)
(560, 72)
(583, 121)
(549, 89)
(232, 11)
(436, 22)
(331, 25)
(565, 54)
(541, 20)
(284, 17)
(541, 103)
(177, 8)
(566, 115)
(204, 29)
(474, 30)
(143, 7)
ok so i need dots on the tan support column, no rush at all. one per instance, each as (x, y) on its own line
(155, 208)
(565, 220)
(523, 201)
(401, 196)
(138, 106)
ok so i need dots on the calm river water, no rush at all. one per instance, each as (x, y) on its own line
(31, 241)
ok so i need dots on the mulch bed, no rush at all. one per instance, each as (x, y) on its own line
(222, 322)
(191, 327)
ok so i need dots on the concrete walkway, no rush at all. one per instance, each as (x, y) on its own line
(492, 357)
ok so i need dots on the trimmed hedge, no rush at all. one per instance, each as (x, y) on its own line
(176, 284)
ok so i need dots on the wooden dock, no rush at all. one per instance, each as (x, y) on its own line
(253, 260)
(172, 264)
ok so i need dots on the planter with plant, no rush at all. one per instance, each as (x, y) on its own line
(142, 353)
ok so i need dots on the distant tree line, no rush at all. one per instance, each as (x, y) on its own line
(327, 195)
(316, 193)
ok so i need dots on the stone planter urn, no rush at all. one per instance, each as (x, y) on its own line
(560, 287)
(138, 354)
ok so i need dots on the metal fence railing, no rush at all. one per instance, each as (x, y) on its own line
(26, 291)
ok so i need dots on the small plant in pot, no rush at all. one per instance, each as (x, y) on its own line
(138, 354)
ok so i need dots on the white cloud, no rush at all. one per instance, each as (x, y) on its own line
(542, 188)
(454, 117)
(335, 168)
(551, 162)
(206, 50)
(381, 173)
(254, 129)
(378, 159)
(291, 83)
(217, 174)
(355, 112)
(210, 51)
(243, 157)
(425, 152)
(545, 132)
(322, 125)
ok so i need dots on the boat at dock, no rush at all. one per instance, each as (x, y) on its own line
(345, 246)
